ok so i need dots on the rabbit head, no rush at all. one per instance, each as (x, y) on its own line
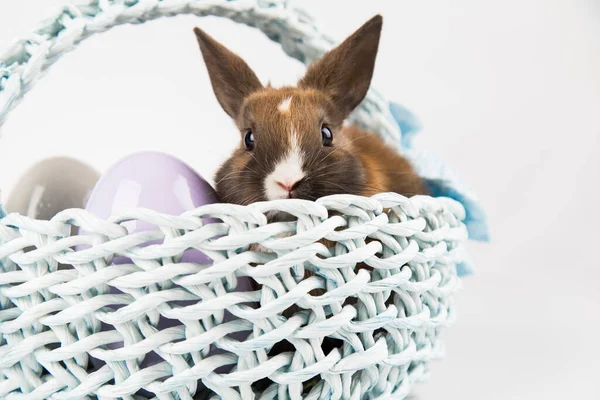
(292, 141)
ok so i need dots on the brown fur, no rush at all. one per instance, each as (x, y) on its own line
(385, 169)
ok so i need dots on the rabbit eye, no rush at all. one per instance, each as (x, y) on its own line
(249, 140)
(327, 136)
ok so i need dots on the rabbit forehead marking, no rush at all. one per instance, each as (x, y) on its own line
(285, 105)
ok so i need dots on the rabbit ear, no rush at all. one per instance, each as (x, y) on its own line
(345, 72)
(231, 78)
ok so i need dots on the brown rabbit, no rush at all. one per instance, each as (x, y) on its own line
(293, 141)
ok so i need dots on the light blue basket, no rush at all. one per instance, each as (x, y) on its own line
(63, 311)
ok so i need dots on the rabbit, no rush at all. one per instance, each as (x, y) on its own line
(293, 140)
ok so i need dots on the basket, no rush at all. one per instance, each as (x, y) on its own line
(75, 326)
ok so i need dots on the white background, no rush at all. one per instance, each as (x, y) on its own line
(509, 93)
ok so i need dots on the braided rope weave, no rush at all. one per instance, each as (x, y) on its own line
(74, 325)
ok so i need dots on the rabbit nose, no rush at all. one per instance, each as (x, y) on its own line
(288, 185)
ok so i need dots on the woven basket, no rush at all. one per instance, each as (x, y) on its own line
(371, 335)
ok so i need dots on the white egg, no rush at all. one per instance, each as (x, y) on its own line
(52, 185)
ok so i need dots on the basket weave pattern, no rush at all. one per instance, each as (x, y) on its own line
(74, 325)
(407, 294)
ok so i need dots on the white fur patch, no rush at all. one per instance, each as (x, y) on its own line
(285, 105)
(288, 171)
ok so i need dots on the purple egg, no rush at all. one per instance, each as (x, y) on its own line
(151, 180)
(162, 183)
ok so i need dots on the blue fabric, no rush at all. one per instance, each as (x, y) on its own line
(465, 267)
(442, 180)
(476, 220)
(408, 123)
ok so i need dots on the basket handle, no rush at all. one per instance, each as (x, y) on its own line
(28, 58)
